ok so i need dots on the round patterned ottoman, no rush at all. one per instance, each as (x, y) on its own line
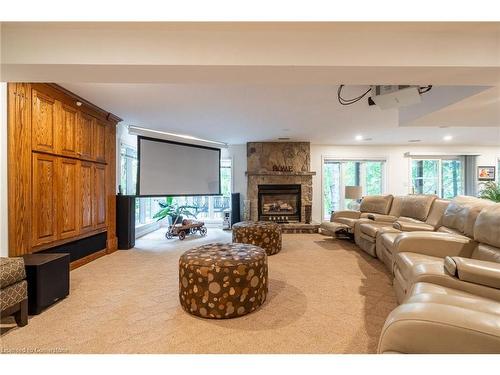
(260, 233)
(222, 280)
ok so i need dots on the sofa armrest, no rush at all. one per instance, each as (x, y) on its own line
(474, 271)
(434, 244)
(346, 213)
(379, 217)
(408, 226)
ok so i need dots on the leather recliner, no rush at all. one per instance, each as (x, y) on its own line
(470, 230)
(386, 237)
(344, 221)
(411, 209)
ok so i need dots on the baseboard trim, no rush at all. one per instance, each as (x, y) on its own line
(89, 258)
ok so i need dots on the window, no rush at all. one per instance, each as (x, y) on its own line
(337, 174)
(128, 169)
(441, 176)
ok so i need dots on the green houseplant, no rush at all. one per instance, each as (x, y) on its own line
(174, 211)
(490, 190)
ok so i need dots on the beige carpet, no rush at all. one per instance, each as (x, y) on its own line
(325, 296)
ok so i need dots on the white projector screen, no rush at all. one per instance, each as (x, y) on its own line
(169, 168)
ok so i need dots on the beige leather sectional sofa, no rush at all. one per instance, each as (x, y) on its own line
(445, 258)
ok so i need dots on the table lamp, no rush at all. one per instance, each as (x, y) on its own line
(355, 193)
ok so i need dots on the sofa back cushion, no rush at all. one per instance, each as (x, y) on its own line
(377, 204)
(435, 217)
(397, 206)
(417, 206)
(462, 212)
(487, 233)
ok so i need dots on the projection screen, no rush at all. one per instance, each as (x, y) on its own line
(168, 168)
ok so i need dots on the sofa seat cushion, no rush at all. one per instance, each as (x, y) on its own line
(411, 265)
(441, 320)
(11, 271)
(388, 239)
(372, 229)
(347, 221)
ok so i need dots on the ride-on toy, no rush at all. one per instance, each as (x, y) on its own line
(185, 228)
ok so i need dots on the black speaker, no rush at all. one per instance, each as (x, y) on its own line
(235, 208)
(125, 221)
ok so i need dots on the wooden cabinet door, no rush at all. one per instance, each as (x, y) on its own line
(85, 135)
(44, 219)
(68, 131)
(68, 198)
(86, 197)
(43, 120)
(99, 196)
(100, 141)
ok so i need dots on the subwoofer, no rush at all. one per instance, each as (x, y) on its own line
(235, 208)
(125, 221)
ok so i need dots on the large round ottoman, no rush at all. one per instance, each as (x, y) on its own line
(260, 233)
(222, 280)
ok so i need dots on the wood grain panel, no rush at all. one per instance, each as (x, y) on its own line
(44, 218)
(19, 168)
(43, 121)
(99, 196)
(67, 131)
(85, 136)
(100, 141)
(86, 206)
(68, 208)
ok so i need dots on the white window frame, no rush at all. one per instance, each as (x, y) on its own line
(333, 158)
(440, 170)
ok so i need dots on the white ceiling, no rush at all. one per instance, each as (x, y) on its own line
(238, 114)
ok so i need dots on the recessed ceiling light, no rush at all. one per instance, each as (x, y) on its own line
(414, 140)
(447, 138)
(358, 138)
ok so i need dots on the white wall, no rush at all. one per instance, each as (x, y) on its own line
(4, 249)
(397, 166)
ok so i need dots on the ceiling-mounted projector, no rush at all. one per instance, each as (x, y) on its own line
(394, 96)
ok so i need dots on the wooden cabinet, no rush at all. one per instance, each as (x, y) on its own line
(85, 135)
(86, 197)
(68, 207)
(44, 199)
(99, 141)
(99, 196)
(43, 120)
(61, 173)
(67, 130)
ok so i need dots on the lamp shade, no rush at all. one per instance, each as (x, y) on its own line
(353, 192)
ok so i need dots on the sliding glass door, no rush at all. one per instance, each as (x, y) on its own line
(440, 176)
(337, 174)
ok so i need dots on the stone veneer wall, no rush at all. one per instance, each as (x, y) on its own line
(262, 156)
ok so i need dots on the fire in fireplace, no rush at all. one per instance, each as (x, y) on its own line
(279, 203)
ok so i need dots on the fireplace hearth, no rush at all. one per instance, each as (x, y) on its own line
(279, 203)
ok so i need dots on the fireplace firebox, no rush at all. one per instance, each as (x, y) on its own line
(279, 203)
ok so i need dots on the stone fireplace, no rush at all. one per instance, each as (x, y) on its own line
(279, 182)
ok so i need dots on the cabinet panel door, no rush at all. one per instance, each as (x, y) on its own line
(68, 198)
(68, 131)
(85, 135)
(43, 120)
(99, 196)
(100, 141)
(86, 221)
(44, 199)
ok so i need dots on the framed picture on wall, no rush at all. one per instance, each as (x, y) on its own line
(486, 173)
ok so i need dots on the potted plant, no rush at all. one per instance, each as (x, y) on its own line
(491, 191)
(173, 211)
